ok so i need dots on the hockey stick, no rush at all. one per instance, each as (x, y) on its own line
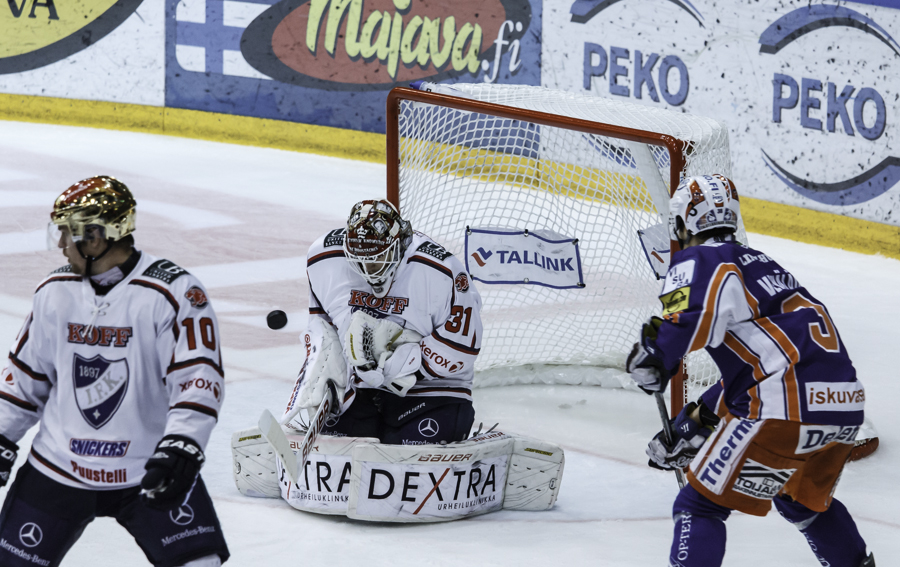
(271, 430)
(667, 431)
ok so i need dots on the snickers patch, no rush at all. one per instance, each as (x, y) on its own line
(95, 448)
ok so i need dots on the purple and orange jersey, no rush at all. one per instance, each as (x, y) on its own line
(778, 350)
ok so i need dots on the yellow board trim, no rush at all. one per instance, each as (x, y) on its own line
(762, 217)
(244, 130)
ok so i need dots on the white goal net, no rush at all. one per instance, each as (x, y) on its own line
(470, 161)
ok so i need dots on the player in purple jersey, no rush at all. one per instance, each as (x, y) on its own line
(119, 362)
(781, 423)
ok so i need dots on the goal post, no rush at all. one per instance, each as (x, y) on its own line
(495, 172)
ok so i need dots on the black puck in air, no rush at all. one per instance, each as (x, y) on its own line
(276, 319)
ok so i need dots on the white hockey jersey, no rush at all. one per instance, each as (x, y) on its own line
(109, 375)
(432, 294)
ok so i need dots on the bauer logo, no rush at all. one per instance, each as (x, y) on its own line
(376, 44)
(40, 32)
(831, 101)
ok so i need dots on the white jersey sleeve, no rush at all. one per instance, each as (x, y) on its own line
(25, 383)
(189, 350)
(455, 342)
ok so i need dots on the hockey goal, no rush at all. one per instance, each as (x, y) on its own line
(476, 163)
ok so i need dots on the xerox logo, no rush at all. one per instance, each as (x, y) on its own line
(841, 95)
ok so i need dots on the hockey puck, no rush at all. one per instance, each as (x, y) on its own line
(276, 319)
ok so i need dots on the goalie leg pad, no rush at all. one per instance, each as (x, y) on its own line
(254, 464)
(535, 473)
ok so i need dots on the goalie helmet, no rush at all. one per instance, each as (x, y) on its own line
(704, 203)
(376, 239)
(100, 201)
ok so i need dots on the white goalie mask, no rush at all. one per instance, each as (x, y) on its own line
(704, 203)
(376, 239)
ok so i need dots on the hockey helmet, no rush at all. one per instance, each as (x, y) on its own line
(376, 240)
(100, 201)
(703, 203)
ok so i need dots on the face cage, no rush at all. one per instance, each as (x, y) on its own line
(378, 269)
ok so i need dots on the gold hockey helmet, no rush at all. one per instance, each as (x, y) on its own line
(101, 201)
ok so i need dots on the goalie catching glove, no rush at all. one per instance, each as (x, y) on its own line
(645, 362)
(689, 437)
(384, 353)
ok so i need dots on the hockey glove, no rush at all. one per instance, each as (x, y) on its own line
(395, 372)
(645, 362)
(8, 453)
(171, 472)
(689, 437)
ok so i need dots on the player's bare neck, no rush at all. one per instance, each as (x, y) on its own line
(112, 259)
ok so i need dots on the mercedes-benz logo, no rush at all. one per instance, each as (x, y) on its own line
(428, 427)
(183, 515)
(30, 534)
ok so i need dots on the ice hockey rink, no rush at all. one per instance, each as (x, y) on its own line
(241, 219)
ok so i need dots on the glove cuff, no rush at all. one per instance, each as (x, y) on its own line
(179, 445)
(5, 443)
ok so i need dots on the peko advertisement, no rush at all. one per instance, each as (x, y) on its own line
(332, 62)
(808, 90)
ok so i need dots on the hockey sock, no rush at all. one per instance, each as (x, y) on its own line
(832, 534)
(699, 530)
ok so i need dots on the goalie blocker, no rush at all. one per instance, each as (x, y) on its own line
(366, 480)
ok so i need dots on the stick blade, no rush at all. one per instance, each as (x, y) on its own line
(271, 430)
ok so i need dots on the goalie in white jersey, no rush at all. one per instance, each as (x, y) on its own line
(120, 363)
(396, 322)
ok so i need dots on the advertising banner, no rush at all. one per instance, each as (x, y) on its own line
(105, 50)
(332, 62)
(540, 257)
(808, 89)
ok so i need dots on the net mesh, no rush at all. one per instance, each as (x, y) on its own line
(461, 169)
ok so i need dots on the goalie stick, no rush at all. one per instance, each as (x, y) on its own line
(667, 431)
(271, 430)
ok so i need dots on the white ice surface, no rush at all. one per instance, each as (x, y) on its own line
(612, 508)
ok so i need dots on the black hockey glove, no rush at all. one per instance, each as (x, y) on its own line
(8, 453)
(689, 437)
(645, 362)
(171, 472)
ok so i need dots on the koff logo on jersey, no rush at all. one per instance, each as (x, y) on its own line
(382, 304)
(100, 336)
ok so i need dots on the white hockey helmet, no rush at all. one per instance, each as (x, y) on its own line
(703, 203)
(376, 240)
